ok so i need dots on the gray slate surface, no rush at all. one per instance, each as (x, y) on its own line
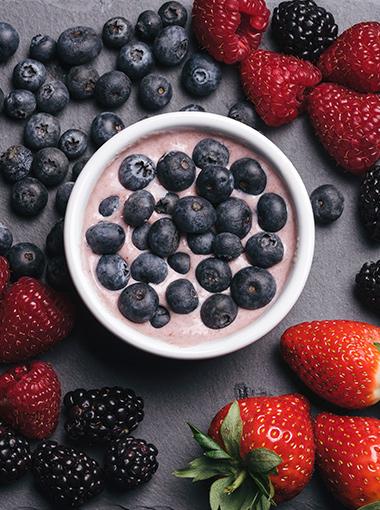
(178, 391)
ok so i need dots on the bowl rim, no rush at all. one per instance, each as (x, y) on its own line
(216, 124)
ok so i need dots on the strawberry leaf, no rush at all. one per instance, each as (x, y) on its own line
(217, 492)
(218, 454)
(262, 460)
(377, 345)
(207, 443)
(243, 498)
(203, 468)
(371, 506)
(231, 431)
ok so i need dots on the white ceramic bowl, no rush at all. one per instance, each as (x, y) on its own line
(254, 140)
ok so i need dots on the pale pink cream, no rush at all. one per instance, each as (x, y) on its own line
(183, 330)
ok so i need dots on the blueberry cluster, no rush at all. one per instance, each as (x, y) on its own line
(216, 223)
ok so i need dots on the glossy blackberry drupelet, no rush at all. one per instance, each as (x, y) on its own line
(130, 462)
(16, 163)
(42, 48)
(15, 457)
(81, 82)
(113, 272)
(9, 41)
(148, 26)
(62, 196)
(28, 197)
(52, 97)
(136, 172)
(327, 203)
(244, 111)
(135, 60)
(182, 297)
(218, 311)
(50, 166)
(113, 89)
(302, 28)
(73, 143)
(29, 74)
(160, 318)
(104, 126)
(369, 203)
(176, 171)
(210, 152)
(171, 46)
(26, 259)
(368, 285)
(138, 208)
(173, 13)
(155, 92)
(20, 104)
(201, 75)
(215, 183)
(138, 302)
(105, 238)
(117, 31)
(67, 477)
(78, 45)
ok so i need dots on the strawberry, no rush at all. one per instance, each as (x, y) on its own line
(276, 84)
(32, 319)
(338, 360)
(260, 450)
(354, 58)
(230, 29)
(348, 125)
(348, 458)
(30, 399)
(4, 274)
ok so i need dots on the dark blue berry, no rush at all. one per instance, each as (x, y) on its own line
(148, 26)
(81, 82)
(244, 112)
(42, 130)
(117, 31)
(180, 262)
(54, 240)
(171, 46)
(210, 152)
(62, 197)
(166, 204)
(173, 13)
(112, 272)
(28, 197)
(327, 203)
(218, 311)
(9, 41)
(50, 166)
(138, 302)
(149, 268)
(16, 163)
(57, 273)
(29, 74)
(272, 213)
(155, 92)
(264, 250)
(140, 237)
(249, 176)
(6, 239)
(52, 97)
(104, 126)
(136, 172)
(227, 246)
(138, 208)
(26, 259)
(105, 238)
(194, 215)
(201, 244)
(215, 183)
(109, 205)
(77, 168)
(253, 288)
(182, 297)
(163, 237)
(135, 60)
(161, 318)
(113, 89)
(176, 171)
(234, 216)
(214, 275)
(192, 108)
(73, 143)
(20, 104)
(78, 45)
(42, 48)
(201, 75)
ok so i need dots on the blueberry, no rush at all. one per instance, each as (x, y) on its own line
(328, 204)
(138, 208)
(192, 108)
(171, 46)
(52, 97)
(244, 112)
(201, 75)
(112, 272)
(29, 74)
(253, 288)
(215, 183)
(210, 152)
(135, 60)
(176, 171)
(218, 311)
(77, 168)
(50, 166)
(9, 41)
(42, 48)
(182, 297)
(180, 262)
(28, 197)
(16, 163)
(161, 318)
(104, 126)
(81, 82)
(2, 99)
(73, 143)
(201, 244)
(234, 216)
(163, 237)
(54, 240)
(20, 104)
(148, 26)
(109, 205)
(264, 250)
(149, 268)
(6, 239)
(113, 89)
(140, 237)
(26, 259)
(155, 92)
(214, 275)
(57, 273)
(227, 246)
(42, 130)
(138, 302)
(78, 45)
(136, 172)
(272, 213)
(117, 31)
(62, 197)
(105, 238)
(173, 13)
(194, 215)
(167, 203)
(249, 176)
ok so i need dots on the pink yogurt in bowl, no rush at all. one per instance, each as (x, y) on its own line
(186, 336)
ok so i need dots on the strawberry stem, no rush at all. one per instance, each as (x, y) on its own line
(237, 483)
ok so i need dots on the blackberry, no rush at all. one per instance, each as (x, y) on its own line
(68, 477)
(102, 414)
(368, 285)
(15, 455)
(130, 462)
(369, 203)
(302, 28)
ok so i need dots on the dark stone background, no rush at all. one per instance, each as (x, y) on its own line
(178, 391)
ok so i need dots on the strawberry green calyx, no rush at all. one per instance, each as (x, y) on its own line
(371, 506)
(377, 345)
(240, 483)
